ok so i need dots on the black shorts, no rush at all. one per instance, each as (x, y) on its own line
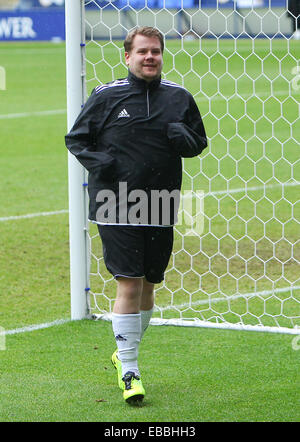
(136, 251)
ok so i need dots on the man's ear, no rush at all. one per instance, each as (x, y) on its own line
(127, 55)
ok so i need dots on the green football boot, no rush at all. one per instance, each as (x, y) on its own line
(134, 391)
(118, 366)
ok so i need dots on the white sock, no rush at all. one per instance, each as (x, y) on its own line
(145, 319)
(127, 331)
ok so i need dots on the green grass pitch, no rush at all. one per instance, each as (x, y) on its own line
(63, 373)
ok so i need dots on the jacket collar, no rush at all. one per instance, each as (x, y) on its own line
(143, 84)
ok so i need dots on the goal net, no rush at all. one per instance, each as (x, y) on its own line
(236, 256)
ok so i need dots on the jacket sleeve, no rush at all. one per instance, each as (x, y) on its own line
(188, 138)
(82, 138)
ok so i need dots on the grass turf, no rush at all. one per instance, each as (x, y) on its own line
(64, 374)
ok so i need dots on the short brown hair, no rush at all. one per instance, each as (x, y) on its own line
(147, 31)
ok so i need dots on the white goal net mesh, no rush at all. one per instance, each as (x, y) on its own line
(236, 257)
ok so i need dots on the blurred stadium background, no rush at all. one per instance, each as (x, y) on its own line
(44, 19)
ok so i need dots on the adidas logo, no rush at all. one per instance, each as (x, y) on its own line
(120, 338)
(123, 114)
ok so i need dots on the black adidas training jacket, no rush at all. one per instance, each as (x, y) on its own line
(135, 132)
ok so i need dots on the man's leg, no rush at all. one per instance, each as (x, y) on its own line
(147, 303)
(123, 251)
(132, 312)
(126, 322)
(129, 292)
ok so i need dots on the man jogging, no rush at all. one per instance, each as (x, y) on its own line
(131, 136)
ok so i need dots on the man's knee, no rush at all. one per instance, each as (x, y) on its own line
(130, 287)
(148, 287)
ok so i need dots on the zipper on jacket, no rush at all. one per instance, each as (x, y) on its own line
(148, 104)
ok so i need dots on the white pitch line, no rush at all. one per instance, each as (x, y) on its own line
(33, 114)
(220, 97)
(201, 98)
(34, 327)
(32, 215)
(229, 298)
(45, 325)
(253, 188)
(217, 192)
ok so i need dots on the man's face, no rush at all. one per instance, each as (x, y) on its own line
(145, 58)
